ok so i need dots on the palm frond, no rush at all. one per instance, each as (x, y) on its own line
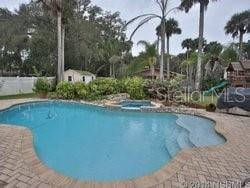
(144, 21)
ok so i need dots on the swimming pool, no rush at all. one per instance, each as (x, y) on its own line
(93, 143)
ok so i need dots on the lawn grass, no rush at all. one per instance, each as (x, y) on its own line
(201, 100)
(19, 96)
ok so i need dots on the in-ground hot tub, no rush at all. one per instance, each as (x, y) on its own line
(92, 143)
(136, 104)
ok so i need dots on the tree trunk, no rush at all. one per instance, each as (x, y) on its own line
(240, 45)
(168, 59)
(157, 49)
(187, 68)
(63, 42)
(59, 64)
(110, 70)
(163, 35)
(199, 61)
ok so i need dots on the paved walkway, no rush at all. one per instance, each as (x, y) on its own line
(228, 163)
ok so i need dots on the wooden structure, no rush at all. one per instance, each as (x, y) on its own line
(238, 74)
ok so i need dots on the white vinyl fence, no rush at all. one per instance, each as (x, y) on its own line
(18, 85)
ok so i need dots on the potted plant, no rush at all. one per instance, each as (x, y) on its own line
(211, 108)
(42, 87)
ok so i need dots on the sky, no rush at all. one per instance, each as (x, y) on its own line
(216, 17)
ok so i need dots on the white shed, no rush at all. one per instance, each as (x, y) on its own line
(78, 76)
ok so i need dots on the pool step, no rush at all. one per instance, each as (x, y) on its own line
(184, 141)
(172, 145)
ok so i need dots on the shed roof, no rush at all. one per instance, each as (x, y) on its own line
(81, 72)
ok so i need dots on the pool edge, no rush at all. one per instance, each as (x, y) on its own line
(32, 161)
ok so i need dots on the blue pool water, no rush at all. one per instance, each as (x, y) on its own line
(92, 143)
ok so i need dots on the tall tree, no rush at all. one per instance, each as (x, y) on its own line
(145, 18)
(55, 6)
(237, 26)
(187, 5)
(172, 27)
(188, 44)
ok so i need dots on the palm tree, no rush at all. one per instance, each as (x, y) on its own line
(188, 44)
(145, 18)
(172, 27)
(150, 53)
(187, 5)
(55, 6)
(239, 25)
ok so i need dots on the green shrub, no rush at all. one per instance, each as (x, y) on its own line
(65, 90)
(41, 85)
(134, 87)
(104, 86)
(81, 90)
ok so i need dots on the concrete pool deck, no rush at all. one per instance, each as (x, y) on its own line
(227, 163)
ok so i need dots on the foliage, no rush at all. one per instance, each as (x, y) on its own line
(65, 90)
(229, 54)
(238, 24)
(104, 86)
(81, 90)
(165, 90)
(134, 87)
(32, 31)
(210, 81)
(41, 85)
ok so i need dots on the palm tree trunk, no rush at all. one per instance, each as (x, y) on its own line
(187, 68)
(168, 59)
(157, 49)
(59, 65)
(240, 47)
(201, 32)
(110, 70)
(63, 42)
(163, 35)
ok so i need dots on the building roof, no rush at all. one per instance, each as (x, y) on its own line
(81, 72)
(237, 66)
(246, 64)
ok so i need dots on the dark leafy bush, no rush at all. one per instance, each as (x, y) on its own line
(81, 90)
(41, 85)
(65, 90)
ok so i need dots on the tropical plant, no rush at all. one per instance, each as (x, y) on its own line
(150, 54)
(187, 5)
(81, 90)
(65, 90)
(145, 18)
(42, 87)
(237, 26)
(103, 86)
(134, 87)
(171, 27)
